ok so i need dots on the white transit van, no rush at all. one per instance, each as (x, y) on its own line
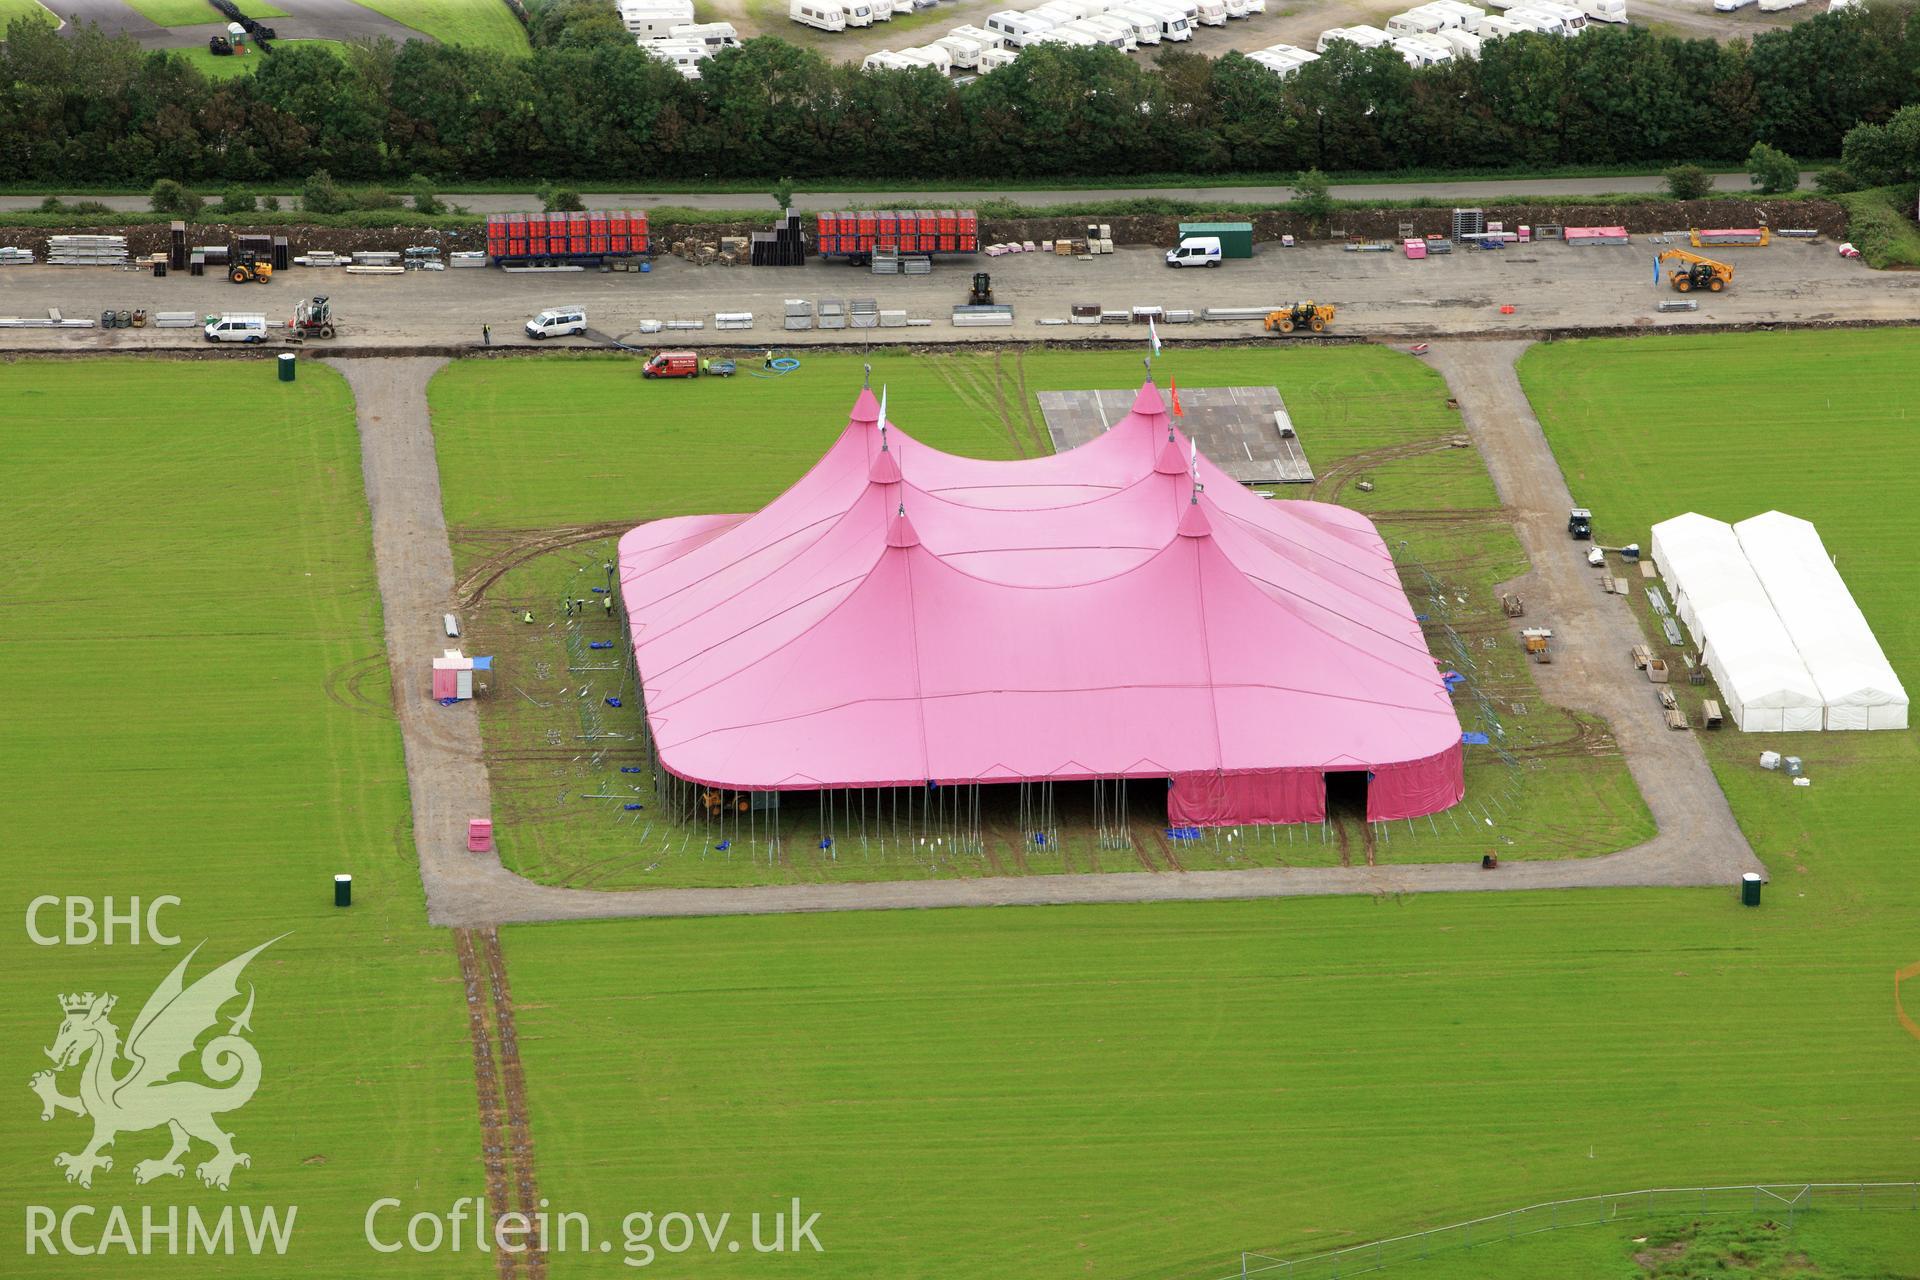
(557, 322)
(714, 35)
(1146, 26)
(1364, 36)
(1195, 251)
(234, 327)
(1014, 28)
(821, 15)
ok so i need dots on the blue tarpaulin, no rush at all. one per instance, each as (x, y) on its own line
(1474, 739)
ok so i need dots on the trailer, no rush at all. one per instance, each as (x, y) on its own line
(593, 236)
(853, 236)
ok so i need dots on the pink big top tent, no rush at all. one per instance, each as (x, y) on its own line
(903, 616)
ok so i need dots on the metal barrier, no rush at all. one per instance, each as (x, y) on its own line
(1787, 1198)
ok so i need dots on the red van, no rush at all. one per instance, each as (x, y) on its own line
(671, 364)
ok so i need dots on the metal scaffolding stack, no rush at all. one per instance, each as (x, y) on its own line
(87, 251)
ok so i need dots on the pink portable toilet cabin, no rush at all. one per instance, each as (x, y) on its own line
(479, 835)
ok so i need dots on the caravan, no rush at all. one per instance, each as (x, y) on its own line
(1146, 26)
(1493, 26)
(1464, 44)
(1175, 25)
(994, 59)
(1212, 13)
(1423, 50)
(1015, 29)
(979, 35)
(714, 35)
(1528, 18)
(963, 51)
(821, 15)
(1419, 21)
(1115, 27)
(655, 19)
(930, 55)
(1364, 36)
(1607, 10)
(1573, 19)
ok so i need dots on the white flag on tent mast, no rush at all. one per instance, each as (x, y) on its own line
(1153, 336)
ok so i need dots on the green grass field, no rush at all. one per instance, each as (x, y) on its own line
(548, 451)
(196, 703)
(13, 10)
(478, 24)
(190, 13)
(1144, 1091)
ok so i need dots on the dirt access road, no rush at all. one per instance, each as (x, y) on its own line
(1698, 843)
(1380, 295)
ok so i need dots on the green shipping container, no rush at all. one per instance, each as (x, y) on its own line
(1236, 238)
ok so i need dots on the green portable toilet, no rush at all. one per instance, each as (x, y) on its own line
(1750, 888)
(1236, 238)
(286, 367)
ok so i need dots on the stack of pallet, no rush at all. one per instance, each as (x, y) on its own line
(87, 251)
(784, 246)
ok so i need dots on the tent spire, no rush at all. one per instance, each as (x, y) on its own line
(885, 468)
(1193, 520)
(900, 530)
(1170, 462)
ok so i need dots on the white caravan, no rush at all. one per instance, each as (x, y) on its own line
(1114, 26)
(1016, 29)
(979, 35)
(1467, 13)
(1775, 6)
(1573, 19)
(963, 51)
(1146, 26)
(1364, 36)
(1423, 50)
(889, 60)
(1606, 10)
(994, 59)
(930, 55)
(655, 19)
(1175, 25)
(714, 35)
(1212, 13)
(1235, 8)
(1493, 26)
(821, 15)
(1464, 44)
(1417, 22)
(1528, 18)
(1053, 12)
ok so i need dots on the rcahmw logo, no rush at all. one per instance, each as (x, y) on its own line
(131, 1086)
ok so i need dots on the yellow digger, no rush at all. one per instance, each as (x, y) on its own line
(1690, 271)
(247, 268)
(1311, 316)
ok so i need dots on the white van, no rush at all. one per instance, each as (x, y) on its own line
(1364, 36)
(1014, 28)
(1195, 251)
(1607, 10)
(235, 327)
(1146, 26)
(557, 322)
(821, 15)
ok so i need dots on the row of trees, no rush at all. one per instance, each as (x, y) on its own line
(89, 109)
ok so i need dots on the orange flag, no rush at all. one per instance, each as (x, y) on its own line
(1174, 384)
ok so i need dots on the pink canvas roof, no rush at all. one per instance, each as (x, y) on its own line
(902, 615)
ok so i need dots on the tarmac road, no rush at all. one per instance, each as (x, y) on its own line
(1483, 189)
(1380, 295)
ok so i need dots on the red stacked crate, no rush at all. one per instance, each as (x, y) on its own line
(968, 224)
(886, 229)
(579, 233)
(868, 226)
(949, 230)
(824, 238)
(617, 233)
(537, 235)
(637, 224)
(516, 235)
(497, 234)
(598, 238)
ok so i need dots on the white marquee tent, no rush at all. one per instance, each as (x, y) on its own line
(1857, 684)
(1716, 592)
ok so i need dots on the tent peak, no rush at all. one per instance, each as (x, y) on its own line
(866, 409)
(900, 530)
(1193, 518)
(885, 468)
(1171, 461)
(1147, 402)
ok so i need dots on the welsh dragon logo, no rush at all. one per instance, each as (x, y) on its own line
(146, 1095)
